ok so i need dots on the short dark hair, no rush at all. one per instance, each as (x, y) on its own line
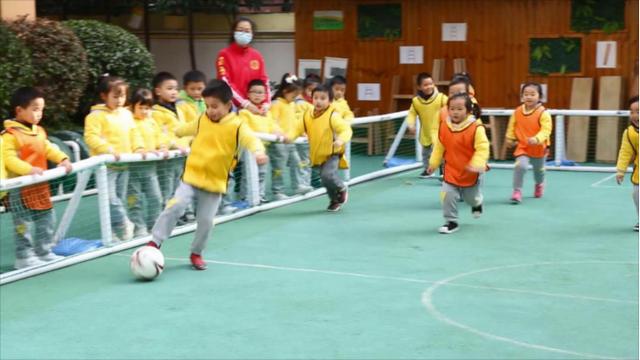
(421, 76)
(460, 80)
(106, 83)
(235, 24)
(194, 76)
(532, 84)
(471, 107)
(288, 84)
(23, 96)
(338, 79)
(256, 82)
(161, 77)
(633, 100)
(218, 89)
(323, 88)
(141, 97)
(311, 79)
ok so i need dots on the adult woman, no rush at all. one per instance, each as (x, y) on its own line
(239, 63)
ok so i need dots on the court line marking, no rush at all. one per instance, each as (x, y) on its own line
(597, 183)
(427, 301)
(405, 279)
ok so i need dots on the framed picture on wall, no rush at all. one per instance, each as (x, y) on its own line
(335, 66)
(309, 66)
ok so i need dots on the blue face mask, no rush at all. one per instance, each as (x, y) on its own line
(242, 38)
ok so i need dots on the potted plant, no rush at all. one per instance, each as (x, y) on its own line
(174, 13)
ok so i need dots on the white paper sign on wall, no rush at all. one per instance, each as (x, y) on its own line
(606, 54)
(369, 92)
(454, 31)
(411, 55)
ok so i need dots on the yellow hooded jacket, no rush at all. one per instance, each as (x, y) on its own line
(214, 150)
(342, 107)
(170, 121)
(628, 152)
(152, 137)
(109, 131)
(258, 123)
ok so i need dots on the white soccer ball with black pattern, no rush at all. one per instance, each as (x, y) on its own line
(147, 263)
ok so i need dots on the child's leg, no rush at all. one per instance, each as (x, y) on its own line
(296, 172)
(116, 207)
(208, 203)
(330, 179)
(135, 192)
(278, 158)
(174, 209)
(472, 195)
(449, 195)
(538, 169)
(426, 154)
(152, 194)
(635, 197)
(238, 185)
(21, 217)
(262, 176)
(44, 222)
(522, 163)
(305, 163)
(315, 177)
(165, 178)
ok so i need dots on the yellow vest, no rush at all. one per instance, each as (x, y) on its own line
(109, 131)
(168, 121)
(342, 107)
(214, 151)
(322, 132)
(427, 111)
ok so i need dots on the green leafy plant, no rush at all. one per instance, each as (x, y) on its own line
(111, 49)
(554, 55)
(587, 15)
(380, 21)
(15, 68)
(59, 66)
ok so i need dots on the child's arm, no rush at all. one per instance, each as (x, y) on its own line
(296, 130)
(12, 161)
(435, 127)
(137, 143)
(511, 131)
(342, 129)
(57, 156)
(93, 135)
(625, 155)
(411, 119)
(545, 129)
(188, 129)
(480, 157)
(347, 114)
(436, 157)
(249, 141)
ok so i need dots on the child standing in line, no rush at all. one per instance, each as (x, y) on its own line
(143, 181)
(304, 103)
(339, 88)
(109, 129)
(327, 133)
(218, 135)
(257, 92)
(426, 106)
(629, 151)
(193, 83)
(25, 151)
(529, 130)
(463, 144)
(170, 113)
(286, 155)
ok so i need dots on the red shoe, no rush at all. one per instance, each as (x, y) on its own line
(516, 197)
(343, 196)
(197, 262)
(539, 190)
(153, 244)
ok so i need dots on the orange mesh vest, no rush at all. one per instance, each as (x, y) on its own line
(458, 151)
(32, 150)
(528, 126)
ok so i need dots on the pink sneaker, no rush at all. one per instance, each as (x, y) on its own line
(516, 197)
(539, 190)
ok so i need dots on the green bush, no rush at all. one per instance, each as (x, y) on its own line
(111, 49)
(15, 68)
(59, 67)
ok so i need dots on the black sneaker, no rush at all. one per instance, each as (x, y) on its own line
(343, 196)
(448, 228)
(424, 175)
(476, 211)
(334, 206)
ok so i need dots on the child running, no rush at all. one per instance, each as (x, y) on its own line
(529, 130)
(629, 152)
(327, 132)
(218, 135)
(463, 144)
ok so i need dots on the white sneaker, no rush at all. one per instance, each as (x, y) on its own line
(27, 262)
(448, 228)
(127, 233)
(280, 196)
(227, 210)
(303, 189)
(50, 257)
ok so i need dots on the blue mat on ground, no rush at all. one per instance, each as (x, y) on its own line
(396, 161)
(562, 163)
(71, 246)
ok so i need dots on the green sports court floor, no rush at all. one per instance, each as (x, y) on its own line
(553, 278)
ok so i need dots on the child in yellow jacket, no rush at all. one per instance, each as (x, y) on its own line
(193, 83)
(25, 151)
(629, 152)
(109, 129)
(218, 135)
(338, 85)
(426, 106)
(328, 133)
(463, 144)
(304, 103)
(143, 181)
(529, 130)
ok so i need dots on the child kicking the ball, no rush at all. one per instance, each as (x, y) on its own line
(218, 135)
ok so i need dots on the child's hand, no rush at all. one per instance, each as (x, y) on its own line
(116, 155)
(511, 143)
(35, 171)
(430, 170)
(66, 164)
(254, 109)
(619, 178)
(532, 141)
(261, 158)
(286, 140)
(143, 153)
(165, 153)
(411, 129)
(474, 169)
(183, 150)
(338, 143)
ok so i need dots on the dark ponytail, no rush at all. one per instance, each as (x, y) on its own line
(472, 107)
(288, 84)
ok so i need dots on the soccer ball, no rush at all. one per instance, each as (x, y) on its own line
(147, 263)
